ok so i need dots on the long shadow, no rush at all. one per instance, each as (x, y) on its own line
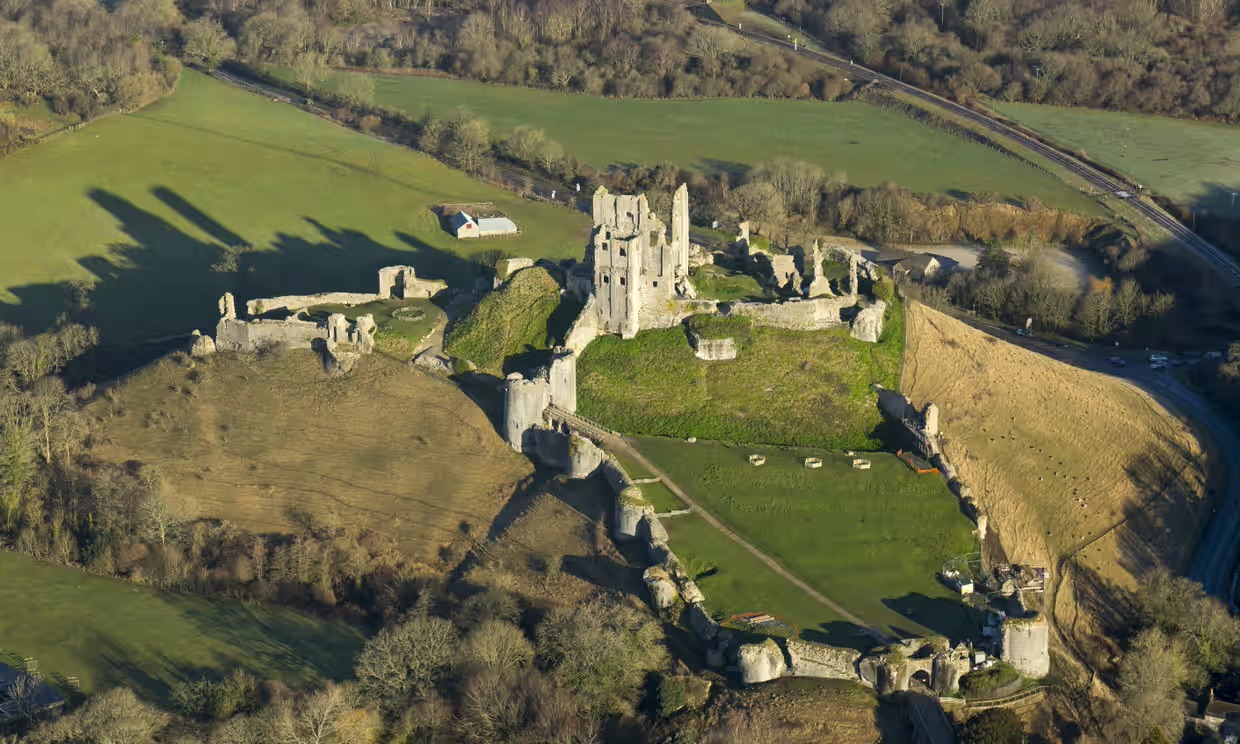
(946, 617)
(842, 634)
(151, 291)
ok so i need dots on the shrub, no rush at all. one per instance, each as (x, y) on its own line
(602, 650)
(672, 694)
(884, 289)
(988, 680)
(994, 726)
(217, 700)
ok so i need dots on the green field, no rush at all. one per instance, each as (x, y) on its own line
(400, 324)
(142, 205)
(717, 283)
(784, 387)
(661, 498)
(1195, 163)
(869, 144)
(871, 540)
(736, 582)
(108, 633)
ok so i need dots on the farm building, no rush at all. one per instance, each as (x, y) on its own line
(465, 226)
(918, 268)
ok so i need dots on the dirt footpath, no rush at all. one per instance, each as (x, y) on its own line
(1068, 463)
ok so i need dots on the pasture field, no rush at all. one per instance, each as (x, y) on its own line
(1067, 462)
(107, 633)
(867, 143)
(871, 540)
(144, 204)
(1194, 163)
(784, 387)
(258, 441)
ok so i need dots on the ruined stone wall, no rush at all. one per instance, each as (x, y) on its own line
(712, 349)
(585, 328)
(796, 315)
(868, 325)
(293, 303)
(562, 378)
(402, 282)
(232, 334)
(821, 661)
(616, 261)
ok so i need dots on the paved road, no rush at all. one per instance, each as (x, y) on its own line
(1218, 551)
(1094, 177)
(619, 444)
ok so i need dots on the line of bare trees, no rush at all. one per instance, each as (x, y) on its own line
(648, 48)
(1176, 57)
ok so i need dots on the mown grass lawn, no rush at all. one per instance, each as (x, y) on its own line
(871, 540)
(717, 283)
(108, 633)
(1195, 163)
(869, 144)
(784, 387)
(400, 323)
(736, 582)
(143, 204)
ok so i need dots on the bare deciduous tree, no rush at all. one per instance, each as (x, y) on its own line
(403, 661)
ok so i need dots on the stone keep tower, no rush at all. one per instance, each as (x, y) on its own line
(636, 270)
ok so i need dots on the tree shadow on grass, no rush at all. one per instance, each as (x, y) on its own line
(269, 643)
(151, 292)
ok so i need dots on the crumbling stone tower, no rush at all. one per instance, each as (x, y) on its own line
(636, 269)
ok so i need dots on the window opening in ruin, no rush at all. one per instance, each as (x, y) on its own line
(621, 281)
(606, 280)
(656, 282)
(622, 253)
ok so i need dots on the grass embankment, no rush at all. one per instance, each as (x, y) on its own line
(871, 540)
(400, 324)
(867, 143)
(1195, 163)
(256, 441)
(509, 321)
(143, 204)
(107, 633)
(786, 387)
(1058, 456)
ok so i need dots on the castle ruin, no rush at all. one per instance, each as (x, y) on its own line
(637, 273)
